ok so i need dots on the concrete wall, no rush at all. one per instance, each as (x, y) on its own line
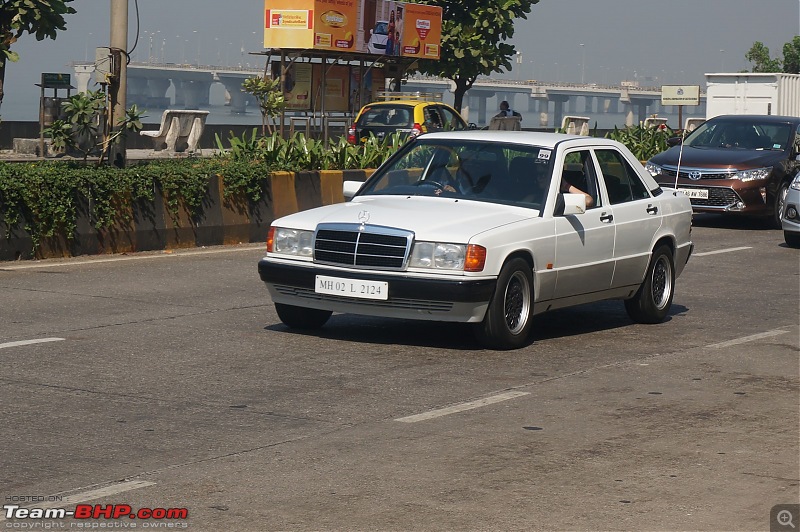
(221, 221)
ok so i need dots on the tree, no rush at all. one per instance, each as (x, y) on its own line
(270, 98)
(473, 40)
(42, 18)
(791, 56)
(759, 56)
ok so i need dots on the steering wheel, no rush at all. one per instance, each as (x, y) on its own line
(430, 182)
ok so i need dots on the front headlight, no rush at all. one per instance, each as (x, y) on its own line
(438, 255)
(795, 183)
(291, 242)
(652, 169)
(753, 175)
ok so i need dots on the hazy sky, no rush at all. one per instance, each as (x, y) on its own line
(654, 41)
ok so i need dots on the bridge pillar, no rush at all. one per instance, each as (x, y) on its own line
(558, 109)
(477, 105)
(238, 98)
(195, 93)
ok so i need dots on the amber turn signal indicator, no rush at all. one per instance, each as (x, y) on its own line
(475, 259)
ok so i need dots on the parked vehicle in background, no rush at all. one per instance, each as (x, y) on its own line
(791, 215)
(378, 37)
(405, 115)
(734, 164)
(475, 226)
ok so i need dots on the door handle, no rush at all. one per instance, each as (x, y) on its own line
(606, 217)
(652, 209)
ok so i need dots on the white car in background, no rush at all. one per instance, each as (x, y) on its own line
(475, 226)
(378, 37)
(790, 221)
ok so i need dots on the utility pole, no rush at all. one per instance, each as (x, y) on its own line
(119, 77)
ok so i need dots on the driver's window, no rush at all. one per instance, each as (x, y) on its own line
(451, 121)
(579, 171)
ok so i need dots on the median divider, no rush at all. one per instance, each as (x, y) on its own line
(149, 225)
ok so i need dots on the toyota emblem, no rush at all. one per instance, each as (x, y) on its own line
(695, 175)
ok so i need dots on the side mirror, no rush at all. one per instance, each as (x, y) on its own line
(350, 188)
(472, 125)
(572, 204)
(674, 141)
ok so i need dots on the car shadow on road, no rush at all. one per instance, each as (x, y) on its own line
(561, 323)
(721, 221)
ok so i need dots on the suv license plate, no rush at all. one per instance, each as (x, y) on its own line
(358, 288)
(698, 193)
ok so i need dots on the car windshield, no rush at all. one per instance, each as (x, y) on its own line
(381, 28)
(747, 134)
(384, 115)
(492, 172)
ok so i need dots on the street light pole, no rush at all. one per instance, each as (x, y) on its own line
(519, 62)
(583, 63)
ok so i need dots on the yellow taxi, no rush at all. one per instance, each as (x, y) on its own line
(409, 116)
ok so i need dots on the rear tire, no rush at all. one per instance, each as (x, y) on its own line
(302, 318)
(654, 297)
(792, 239)
(508, 320)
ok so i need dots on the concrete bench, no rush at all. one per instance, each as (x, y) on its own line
(180, 130)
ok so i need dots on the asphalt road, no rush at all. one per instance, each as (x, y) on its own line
(165, 380)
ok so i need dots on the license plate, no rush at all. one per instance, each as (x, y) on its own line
(357, 288)
(698, 193)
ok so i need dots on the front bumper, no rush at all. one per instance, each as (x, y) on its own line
(458, 300)
(727, 196)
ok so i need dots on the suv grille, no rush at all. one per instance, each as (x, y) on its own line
(362, 246)
(698, 173)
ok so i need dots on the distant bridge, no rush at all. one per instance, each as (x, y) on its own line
(148, 84)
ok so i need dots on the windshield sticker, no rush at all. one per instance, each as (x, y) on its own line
(544, 155)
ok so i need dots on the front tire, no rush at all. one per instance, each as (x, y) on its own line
(780, 204)
(302, 318)
(508, 320)
(654, 297)
(792, 239)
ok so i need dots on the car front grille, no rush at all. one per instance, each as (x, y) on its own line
(717, 197)
(695, 174)
(362, 246)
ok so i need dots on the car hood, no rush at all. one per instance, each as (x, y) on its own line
(718, 158)
(430, 218)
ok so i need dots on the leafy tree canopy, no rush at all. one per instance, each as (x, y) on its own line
(41, 18)
(473, 40)
(759, 56)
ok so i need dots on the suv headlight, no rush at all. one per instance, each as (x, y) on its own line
(795, 183)
(753, 175)
(290, 241)
(652, 169)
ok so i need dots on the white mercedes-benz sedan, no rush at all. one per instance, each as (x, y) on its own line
(489, 228)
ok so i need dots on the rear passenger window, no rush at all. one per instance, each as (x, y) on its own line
(622, 181)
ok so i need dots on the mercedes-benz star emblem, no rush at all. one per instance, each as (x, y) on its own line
(363, 217)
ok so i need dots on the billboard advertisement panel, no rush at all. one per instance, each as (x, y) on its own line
(378, 27)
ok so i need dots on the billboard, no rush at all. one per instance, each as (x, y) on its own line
(378, 27)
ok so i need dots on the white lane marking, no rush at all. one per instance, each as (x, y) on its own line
(728, 250)
(29, 342)
(745, 339)
(90, 495)
(166, 254)
(461, 407)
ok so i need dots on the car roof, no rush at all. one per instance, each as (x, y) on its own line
(759, 118)
(535, 138)
(404, 102)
